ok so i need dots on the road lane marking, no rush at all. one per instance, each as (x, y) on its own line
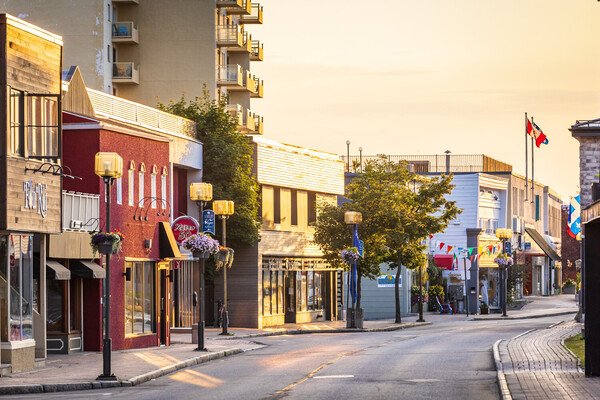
(333, 376)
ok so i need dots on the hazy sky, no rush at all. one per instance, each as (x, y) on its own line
(425, 76)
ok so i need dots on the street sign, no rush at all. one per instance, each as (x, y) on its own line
(361, 248)
(184, 227)
(208, 221)
(507, 247)
(527, 246)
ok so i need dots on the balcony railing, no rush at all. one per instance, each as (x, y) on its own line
(230, 36)
(250, 82)
(125, 72)
(245, 118)
(258, 87)
(258, 124)
(255, 16)
(125, 32)
(442, 163)
(239, 7)
(231, 76)
(80, 211)
(256, 53)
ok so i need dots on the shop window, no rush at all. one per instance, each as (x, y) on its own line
(294, 206)
(34, 125)
(139, 298)
(276, 205)
(274, 309)
(280, 292)
(18, 274)
(55, 293)
(266, 292)
(301, 291)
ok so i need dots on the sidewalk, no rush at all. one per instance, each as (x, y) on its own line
(538, 307)
(536, 365)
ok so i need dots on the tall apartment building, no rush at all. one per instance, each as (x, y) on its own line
(158, 50)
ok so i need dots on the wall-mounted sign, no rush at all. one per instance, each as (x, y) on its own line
(208, 221)
(388, 281)
(36, 197)
(527, 246)
(184, 227)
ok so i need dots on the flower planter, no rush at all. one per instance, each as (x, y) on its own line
(106, 248)
(201, 255)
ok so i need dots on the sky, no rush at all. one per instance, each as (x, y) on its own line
(425, 76)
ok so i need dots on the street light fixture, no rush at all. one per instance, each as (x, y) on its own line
(411, 170)
(505, 235)
(348, 155)
(108, 166)
(224, 209)
(352, 218)
(201, 192)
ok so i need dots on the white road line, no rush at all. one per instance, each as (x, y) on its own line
(333, 376)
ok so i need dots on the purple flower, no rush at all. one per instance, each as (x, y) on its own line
(201, 243)
(350, 255)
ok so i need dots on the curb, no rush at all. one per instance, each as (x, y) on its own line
(502, 384)
(390, 328)
(136, 380)
(527, 317)
(579, 366)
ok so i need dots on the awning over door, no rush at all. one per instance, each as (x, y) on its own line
(541, 242)
(87, 269)
(57, 271)
(167, 245)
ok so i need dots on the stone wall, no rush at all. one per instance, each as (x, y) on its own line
(570, 249)
(589, 166)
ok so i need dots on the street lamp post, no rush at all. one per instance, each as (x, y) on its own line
(505, 235)
(411, 170)
(108, 166)
(224, 209)
(201, 192)
(348, 155)
(352, 218)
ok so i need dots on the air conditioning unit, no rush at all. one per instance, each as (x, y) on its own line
(76, 224)
(517, 225)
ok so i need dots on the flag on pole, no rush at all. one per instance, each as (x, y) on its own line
(574, 222)
(534, 131)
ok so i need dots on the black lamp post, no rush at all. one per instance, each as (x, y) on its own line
(504, 234)
(348, 155)
(353, 218)
(108, 166)
(201, 193)
(224, 209)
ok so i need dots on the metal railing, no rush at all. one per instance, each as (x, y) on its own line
(256, 14)
(441, 163)
(124, 30)
(127, 111)
(257, 53)
(80, 211)
(125, 71)
(231, 74)
(228, 35)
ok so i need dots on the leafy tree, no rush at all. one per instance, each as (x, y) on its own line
(228, 163)
(399, 209)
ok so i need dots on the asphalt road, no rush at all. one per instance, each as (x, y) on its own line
(450, 360)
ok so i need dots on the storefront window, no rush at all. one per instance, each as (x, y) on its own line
(20, 249)
(301, 291)
(311, 290)
(56, 302)
(318, 300)
(280, 292)
(274, 309)
(139, 298)
(4, 288)
(488, 284)
(266, 292)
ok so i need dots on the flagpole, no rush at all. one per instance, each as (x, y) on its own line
(532, 167)
(526, 163)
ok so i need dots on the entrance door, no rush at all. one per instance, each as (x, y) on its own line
(164, 302)
(290, 297)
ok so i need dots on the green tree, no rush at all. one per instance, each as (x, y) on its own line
(400, 209)
(228, 162)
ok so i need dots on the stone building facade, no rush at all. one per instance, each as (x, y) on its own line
(588, 135)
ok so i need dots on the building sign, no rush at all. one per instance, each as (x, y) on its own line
(36, 197)
(208, 221)
(184, 227)
(527, 246)
(388, 281)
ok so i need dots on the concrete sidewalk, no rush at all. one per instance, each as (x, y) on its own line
(538, 307)
(536, 365)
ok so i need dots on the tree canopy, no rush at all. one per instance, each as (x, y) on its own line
(227, 162)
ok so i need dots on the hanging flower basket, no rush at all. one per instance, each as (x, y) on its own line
(107, 242)
(201, 245)
(224, 258)
(350, 255)
(503, 260)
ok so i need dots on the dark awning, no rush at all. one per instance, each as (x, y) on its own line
(545, 246)
(167, 246)
(57, 271)
(87, 269)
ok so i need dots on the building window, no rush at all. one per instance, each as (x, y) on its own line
(163, 188)
(108, 52)
(294, 206)
(131, 184)
(537, 207)
(119, 184)
(312, 207)
(139, 298)
(141, 185)
(34, 125)
(276, 205)
(266, 292)
(153, 186)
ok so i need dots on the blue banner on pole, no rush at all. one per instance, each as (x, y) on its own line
(361, 248)
(208, 221)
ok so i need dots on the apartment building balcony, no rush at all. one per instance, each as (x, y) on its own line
(256, 53)
(255, 16)
(236, 7)
(125, 32)
(235, 78)
(234, 38)
(126, 2)
(258, 124)
(244, 117)
(258, 87)
(125, 72)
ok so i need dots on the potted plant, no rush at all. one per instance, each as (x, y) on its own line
(350, 255)
(107, 242)
(483, 308)
(201, 245)
(569, 286)
(503, 260)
